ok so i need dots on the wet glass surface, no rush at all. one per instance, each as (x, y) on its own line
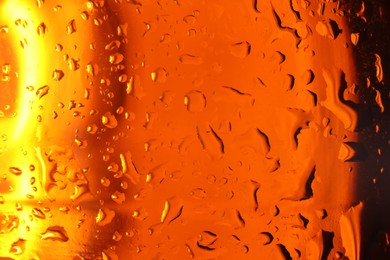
(180, 129)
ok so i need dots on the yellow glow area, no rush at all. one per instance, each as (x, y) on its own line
(28, 59)
(31, 67)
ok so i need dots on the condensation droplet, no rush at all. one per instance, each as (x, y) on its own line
(378, 67)
(38, 213)
(240, 49)
(190, 59)
(57, 75)
(114, 45)
(17, 248)
(6, 68)
(15, 170)
(4, 29)
(159, 75)
(165, 211)
(165, 38)
(42, 91)
(73, 64)
(58, 47)
(195, 101)
(378, 100)
(71, 27)
(118, 197)
(55, 233)
(41, 29)
(109, 120)
(116, 58)
(355, 38)
(79, 190)
(92, 69)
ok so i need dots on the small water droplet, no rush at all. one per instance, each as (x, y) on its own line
(355, 38)
(109, 120)
(378, 100)
(114, 45)
(38, 213)
(41, 29)
(328, 29)
(79, 190)
(240, 49)
(116, 58)
(165, 211)
(159, 75)
(58, 47)
(6, 68)
(42, 91)
(15, 170)
(73, 64)
(64, 209)
(55, 233)
(17, 248)
(57, 75)
(195, 101)
(190, 59)
(104, 216)
(118, 197)
(378, 67)
(165, 38)
(189, 19)
(40, 3)
(92, 69)
(116, 236)
(198, 193)
(71, 27)
(3, 29)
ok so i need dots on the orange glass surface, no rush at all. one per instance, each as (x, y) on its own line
(183, 129)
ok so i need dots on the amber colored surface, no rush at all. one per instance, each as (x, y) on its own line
(179, 129)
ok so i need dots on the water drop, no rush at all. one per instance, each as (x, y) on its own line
(4, 29)
(71, 27)
(328, 29)
(355, 38)
(189, 19)
(6, 68)
(42, 91)
(79, 190)
(57, 75)
(116, 236)
(240, 49)
(114, 45)
(116, 58)
(17, 248)
(195, 101)
(118, 197)
(58, 47)
(92, 69)
(15, 170)
(159, 75)
(378, 67)
(378, 100)
(55, 233)
(104, 216)
(73, 64)
(38, 213)
(190, 59)
(165, 211)
(165, 38)
(41, 29)
(109, 120)
(198, 193)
